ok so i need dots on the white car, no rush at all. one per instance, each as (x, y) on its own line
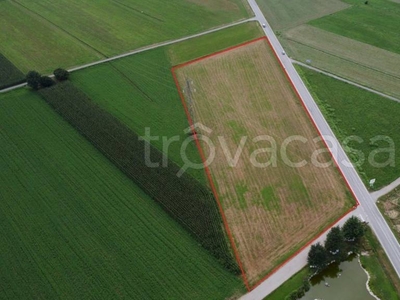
(263, 25)
(283, 52)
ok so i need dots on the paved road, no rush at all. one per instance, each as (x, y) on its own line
(367, 209)
(387, 189)
(141, 50)
(345, 80)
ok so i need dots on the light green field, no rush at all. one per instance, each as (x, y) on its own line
(287, 14)
(350, 59)
(74, 227)
(376, 24)
(140, 90)
(31, 43)
(353, 111)
(46, 34)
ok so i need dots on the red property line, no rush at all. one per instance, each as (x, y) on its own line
(208, 172)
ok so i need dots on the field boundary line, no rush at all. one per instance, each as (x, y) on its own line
(199, 148)
(345, 80)
(208, 172)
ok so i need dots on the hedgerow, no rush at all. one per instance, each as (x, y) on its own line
(187, 201)
(9, 74)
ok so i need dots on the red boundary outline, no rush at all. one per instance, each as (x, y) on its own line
(208, 172)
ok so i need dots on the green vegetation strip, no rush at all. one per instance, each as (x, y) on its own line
(9, 74)
(74, 227)
(191, 204)
(351, 111)
(375, 23)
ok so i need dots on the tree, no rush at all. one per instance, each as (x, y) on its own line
(61, 74)
(46, 81)
(335, 244)
(317, 257)
(353, 230)
(33, 79)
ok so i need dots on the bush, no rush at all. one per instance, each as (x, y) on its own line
(46, 81)
(184, 198)
(33, 79)
(61, 74)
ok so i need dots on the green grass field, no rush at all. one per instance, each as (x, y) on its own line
(353, 111)
(31, 43)
(47, 34)
(287, 14)
(140, 91)
(74, 227)
(376, 23)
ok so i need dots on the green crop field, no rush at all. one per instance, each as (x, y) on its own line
(47, 34)
(287, 14)
(74, 227)
(353, 111)
(31, 43)
(140, 91)
(376, 23)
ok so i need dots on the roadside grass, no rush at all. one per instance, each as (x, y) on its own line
(275, 209)
(9, 74)
(384, 281)
(351, 111)
(31, 43)
(292, 284)
(375, 24)
(287, 14)
(135, 24)
(390, 208)
(140, 91)
(73, 226)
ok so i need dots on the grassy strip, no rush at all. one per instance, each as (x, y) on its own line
(292, 284)
(352, 111)
(191, 204)
(74, 227)
(156, 105)
(375, 24)
(9, 74)
(384, 281)
(389, 205)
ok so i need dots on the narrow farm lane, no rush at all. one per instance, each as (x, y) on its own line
(387, 189)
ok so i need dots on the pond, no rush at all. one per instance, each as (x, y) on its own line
(344, 281)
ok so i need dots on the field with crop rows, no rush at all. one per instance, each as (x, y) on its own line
(139, 90)
(184, 198)
(287, 14)
(9, 74)
(272, 210)
(353, 111)
(74, 227)
(45, 34)
(376, 24)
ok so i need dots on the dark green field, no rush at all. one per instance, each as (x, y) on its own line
(376, 23)
(74, 227)
(9, 74)
(140, 91)
(353, 111)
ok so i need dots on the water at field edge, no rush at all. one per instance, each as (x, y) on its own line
(347, 281)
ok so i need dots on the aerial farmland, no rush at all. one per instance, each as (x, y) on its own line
(162, 150)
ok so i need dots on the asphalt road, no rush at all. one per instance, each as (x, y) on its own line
(367, 209)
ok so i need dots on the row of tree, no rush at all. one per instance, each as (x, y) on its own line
(338, 243)
(37, 81)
